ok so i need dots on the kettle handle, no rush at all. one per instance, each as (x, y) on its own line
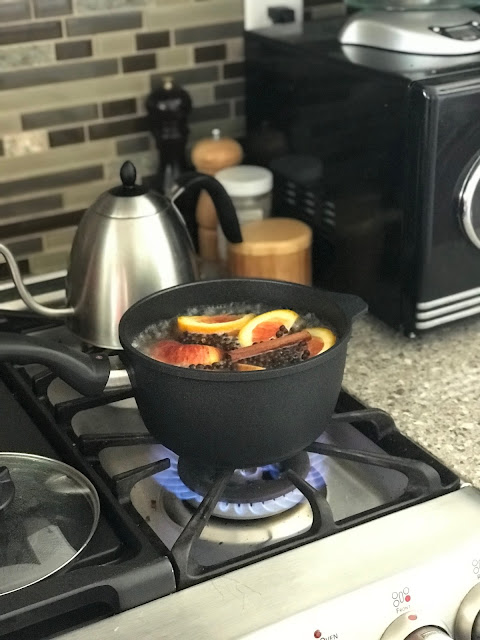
(227, 215)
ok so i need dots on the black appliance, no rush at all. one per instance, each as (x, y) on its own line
(163, 527)
(398, 136)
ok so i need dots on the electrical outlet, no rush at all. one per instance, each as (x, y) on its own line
(256, 12)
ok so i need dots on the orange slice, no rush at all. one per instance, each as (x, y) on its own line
(322, 339)
(265, 326)
(226, 323)
(248, 367)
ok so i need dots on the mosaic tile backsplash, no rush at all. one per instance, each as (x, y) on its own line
(74, 75)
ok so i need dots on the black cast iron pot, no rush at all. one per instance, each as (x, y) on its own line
(221, 418)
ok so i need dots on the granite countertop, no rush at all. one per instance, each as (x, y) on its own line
(430, 385)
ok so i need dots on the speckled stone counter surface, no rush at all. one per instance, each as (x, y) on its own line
(430, 385)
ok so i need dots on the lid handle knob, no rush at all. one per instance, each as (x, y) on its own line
(128, 174)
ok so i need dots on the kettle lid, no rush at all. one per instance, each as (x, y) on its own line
(128, 188)
(129, 200)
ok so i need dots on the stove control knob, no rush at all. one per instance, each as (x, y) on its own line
(414, 626)
(467, 622)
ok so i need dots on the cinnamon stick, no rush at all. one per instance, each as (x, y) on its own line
(269, 345)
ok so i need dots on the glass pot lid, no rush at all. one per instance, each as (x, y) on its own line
(48, 513)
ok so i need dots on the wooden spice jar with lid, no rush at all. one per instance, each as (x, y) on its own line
(209, 156)
(277, 248)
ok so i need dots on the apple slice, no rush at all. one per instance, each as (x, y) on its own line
(185, 355)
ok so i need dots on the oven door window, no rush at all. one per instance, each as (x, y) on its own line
(470, 204)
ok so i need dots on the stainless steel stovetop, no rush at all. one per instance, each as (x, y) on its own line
(167, 504)
(401, 549)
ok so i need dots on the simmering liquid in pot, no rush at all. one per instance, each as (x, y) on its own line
(240, 337)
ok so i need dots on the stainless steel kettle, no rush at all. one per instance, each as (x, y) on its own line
(129, 243)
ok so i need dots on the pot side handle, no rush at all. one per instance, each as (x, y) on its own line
(87, 374)
(352, 306)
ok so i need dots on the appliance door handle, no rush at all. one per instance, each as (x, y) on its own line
(467, 194)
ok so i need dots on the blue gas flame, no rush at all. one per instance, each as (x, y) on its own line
(170, 480)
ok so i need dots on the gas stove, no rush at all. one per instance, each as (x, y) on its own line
(361, 532)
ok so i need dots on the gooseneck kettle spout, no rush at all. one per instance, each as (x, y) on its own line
(25, 295)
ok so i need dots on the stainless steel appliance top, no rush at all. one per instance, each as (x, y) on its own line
(450, 32)
(322, 39)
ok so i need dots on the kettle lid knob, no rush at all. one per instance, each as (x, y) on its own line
(128, 188)
(128, 174)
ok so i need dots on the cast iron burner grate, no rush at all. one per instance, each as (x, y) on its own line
(426, 476)
(423, 481)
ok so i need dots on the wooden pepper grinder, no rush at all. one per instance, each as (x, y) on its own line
(209, 156)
